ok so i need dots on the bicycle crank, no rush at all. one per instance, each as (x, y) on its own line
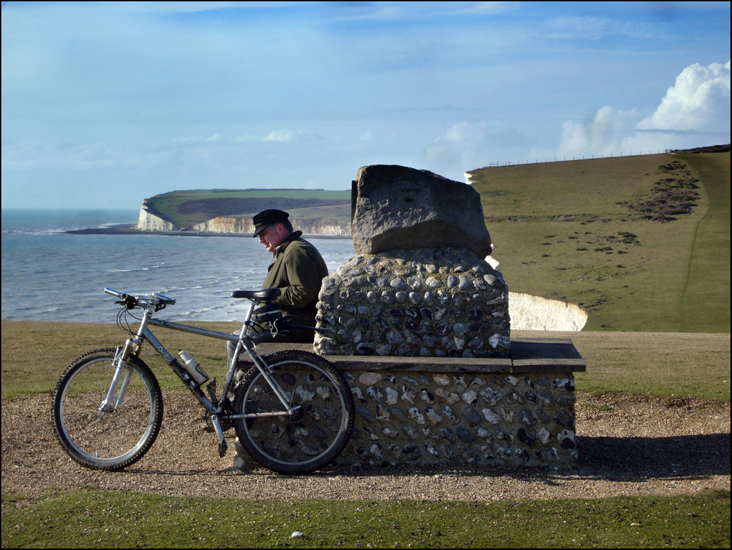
(223, 446)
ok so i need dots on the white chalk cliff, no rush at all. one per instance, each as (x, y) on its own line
(318, 226)
(150, 222)
(529, 312)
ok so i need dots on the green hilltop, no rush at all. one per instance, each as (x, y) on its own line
(641, 242)
(186, 208)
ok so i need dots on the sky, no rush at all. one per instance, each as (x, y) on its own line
(106, 104)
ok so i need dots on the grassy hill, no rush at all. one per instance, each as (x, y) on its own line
(643, 242)
(187, 208)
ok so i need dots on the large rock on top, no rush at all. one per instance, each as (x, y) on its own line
(399, 208)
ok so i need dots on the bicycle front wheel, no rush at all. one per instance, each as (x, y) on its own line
(121, 434)
(318, 431)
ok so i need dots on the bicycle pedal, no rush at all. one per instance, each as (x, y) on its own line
(223, 446)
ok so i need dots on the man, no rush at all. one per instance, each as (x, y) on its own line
(297, 269)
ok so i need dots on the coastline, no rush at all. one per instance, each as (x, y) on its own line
(131, 229)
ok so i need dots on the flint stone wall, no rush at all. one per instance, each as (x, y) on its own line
(515, 411)
(484, 419)
(424, 302)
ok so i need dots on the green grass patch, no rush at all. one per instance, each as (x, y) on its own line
(117, 519)
(660, 364)
(564, 230)
(667, 365)
(35, 354)
(708, 280)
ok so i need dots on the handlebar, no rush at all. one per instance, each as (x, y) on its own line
(158, 301)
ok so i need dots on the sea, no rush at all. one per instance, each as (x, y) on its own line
(49, 274)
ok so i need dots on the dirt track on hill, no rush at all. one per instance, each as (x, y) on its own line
(628, 446)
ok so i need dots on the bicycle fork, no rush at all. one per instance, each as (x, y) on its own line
(111, 402)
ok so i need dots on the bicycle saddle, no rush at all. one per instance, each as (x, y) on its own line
(265, 294)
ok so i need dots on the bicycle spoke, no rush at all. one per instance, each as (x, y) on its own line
(318, 429)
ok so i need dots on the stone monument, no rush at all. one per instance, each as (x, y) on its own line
(419, 285)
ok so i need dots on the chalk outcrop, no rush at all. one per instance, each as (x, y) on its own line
(150, 222)
(529, 312)
(536, 313)
(318, 226)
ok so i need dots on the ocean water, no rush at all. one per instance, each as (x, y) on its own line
(51, 275)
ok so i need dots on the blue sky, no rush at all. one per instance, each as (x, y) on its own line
(105, 104)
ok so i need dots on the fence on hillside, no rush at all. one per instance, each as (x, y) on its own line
(583, 157)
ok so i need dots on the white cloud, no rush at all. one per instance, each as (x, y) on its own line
(290, 135)
(450, 150)
(280, 135)
(602, 135)
(214, 137)
(695, 112)
(247, 138)
(468, 145)
(700, 100)
(409, 11)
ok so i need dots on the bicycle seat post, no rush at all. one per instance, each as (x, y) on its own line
(242, 336)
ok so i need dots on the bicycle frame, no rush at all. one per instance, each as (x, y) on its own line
(214, 405)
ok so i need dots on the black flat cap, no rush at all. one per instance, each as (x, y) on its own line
(268, 217)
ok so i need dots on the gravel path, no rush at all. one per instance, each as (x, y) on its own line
(628, 446)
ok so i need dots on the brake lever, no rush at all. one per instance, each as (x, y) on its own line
(129, 302)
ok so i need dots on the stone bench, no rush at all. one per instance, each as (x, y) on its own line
(511, 411)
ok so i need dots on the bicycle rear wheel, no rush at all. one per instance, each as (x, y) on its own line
(311, 438)
(106, 440)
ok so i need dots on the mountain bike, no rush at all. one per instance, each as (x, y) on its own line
(292, 411)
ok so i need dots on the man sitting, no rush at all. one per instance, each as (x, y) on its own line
(297, 269)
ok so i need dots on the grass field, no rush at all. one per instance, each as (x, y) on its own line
(708, 280)
(118, 519)
(560, 231)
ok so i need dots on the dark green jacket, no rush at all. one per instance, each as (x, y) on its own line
(297, 269)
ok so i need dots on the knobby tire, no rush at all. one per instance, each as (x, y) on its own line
(106, 440)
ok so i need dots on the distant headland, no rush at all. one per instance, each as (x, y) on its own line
(230, 212)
